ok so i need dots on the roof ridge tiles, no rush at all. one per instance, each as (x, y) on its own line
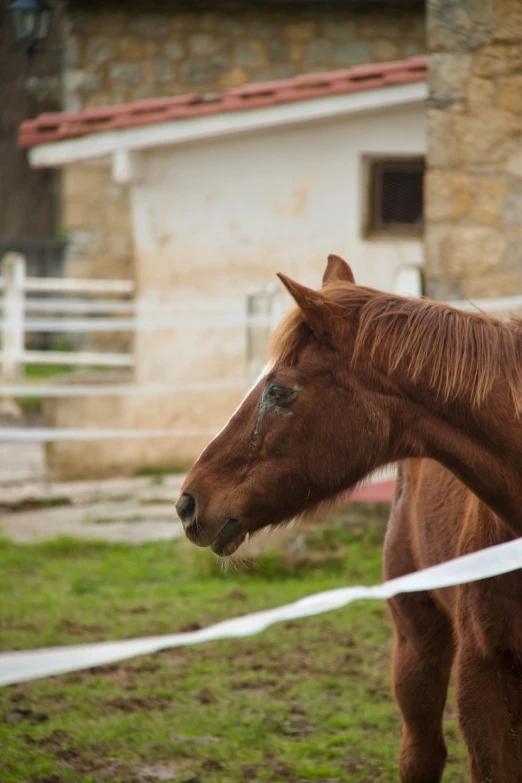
(57, 126)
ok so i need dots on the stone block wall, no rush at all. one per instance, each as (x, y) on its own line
(66, 460)
(116, 55)
(97, 216)
(473, 184)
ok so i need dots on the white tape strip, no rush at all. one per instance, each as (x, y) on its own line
(31, 665)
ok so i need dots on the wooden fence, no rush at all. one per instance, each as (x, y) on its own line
(67, 305)
(62, 305)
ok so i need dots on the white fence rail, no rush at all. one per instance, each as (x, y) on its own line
(264, 306)
(22, 313)
(60, 285)
(15, 325)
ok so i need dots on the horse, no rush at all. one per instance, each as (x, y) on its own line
(359, 379)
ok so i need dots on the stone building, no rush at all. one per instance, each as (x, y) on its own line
(116, 53)
(473, 233)
(473, 188)
(311, 163)
(225, 191)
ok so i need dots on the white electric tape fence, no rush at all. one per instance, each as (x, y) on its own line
(18, 666)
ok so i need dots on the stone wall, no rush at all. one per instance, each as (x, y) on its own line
(474, 179)
(114, 56)
(67, 460)
(97, 216)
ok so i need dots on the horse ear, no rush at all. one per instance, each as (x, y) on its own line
(314, 305)
(337, 270)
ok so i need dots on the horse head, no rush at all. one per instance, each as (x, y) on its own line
(307, 430)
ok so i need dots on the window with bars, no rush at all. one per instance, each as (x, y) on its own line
(395, 200)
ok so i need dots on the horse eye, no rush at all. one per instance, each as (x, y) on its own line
(280, 394)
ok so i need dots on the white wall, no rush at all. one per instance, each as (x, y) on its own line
(212, 218)
(222, 214)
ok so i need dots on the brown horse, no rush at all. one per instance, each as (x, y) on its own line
(359, 379)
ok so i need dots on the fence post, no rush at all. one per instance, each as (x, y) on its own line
(13, 271)
(279, 306)
(260, 303)
(408, 280)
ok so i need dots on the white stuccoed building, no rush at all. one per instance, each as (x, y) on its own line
(228, 189)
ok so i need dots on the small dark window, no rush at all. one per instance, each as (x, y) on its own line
(396, 202)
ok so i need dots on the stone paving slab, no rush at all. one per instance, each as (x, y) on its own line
(131, 510)
(128, 521)
(164, 488)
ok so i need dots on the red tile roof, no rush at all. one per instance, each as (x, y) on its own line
(68, 125)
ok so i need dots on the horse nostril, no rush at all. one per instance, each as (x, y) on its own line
(186, 508)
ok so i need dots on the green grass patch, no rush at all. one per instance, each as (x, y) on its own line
(304, 701)
(157, 471)
(31, 406)
(40, 372)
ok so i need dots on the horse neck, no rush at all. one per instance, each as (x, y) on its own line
(479, 443)
(483, 450)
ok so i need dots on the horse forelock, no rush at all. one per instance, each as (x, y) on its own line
(289, 337)
(458, 353)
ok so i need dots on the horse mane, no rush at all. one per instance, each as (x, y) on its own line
(463, 353)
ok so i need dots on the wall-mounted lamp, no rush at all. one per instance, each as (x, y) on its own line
(31, 20)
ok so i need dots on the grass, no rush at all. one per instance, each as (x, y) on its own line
(40, 373)
(305, 701)
(158, 471)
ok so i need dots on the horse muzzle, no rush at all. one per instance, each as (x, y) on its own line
(228, 538)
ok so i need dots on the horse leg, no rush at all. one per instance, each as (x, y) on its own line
(489, 698)
(423, 656)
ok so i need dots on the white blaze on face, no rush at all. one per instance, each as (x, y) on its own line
(264, 372)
